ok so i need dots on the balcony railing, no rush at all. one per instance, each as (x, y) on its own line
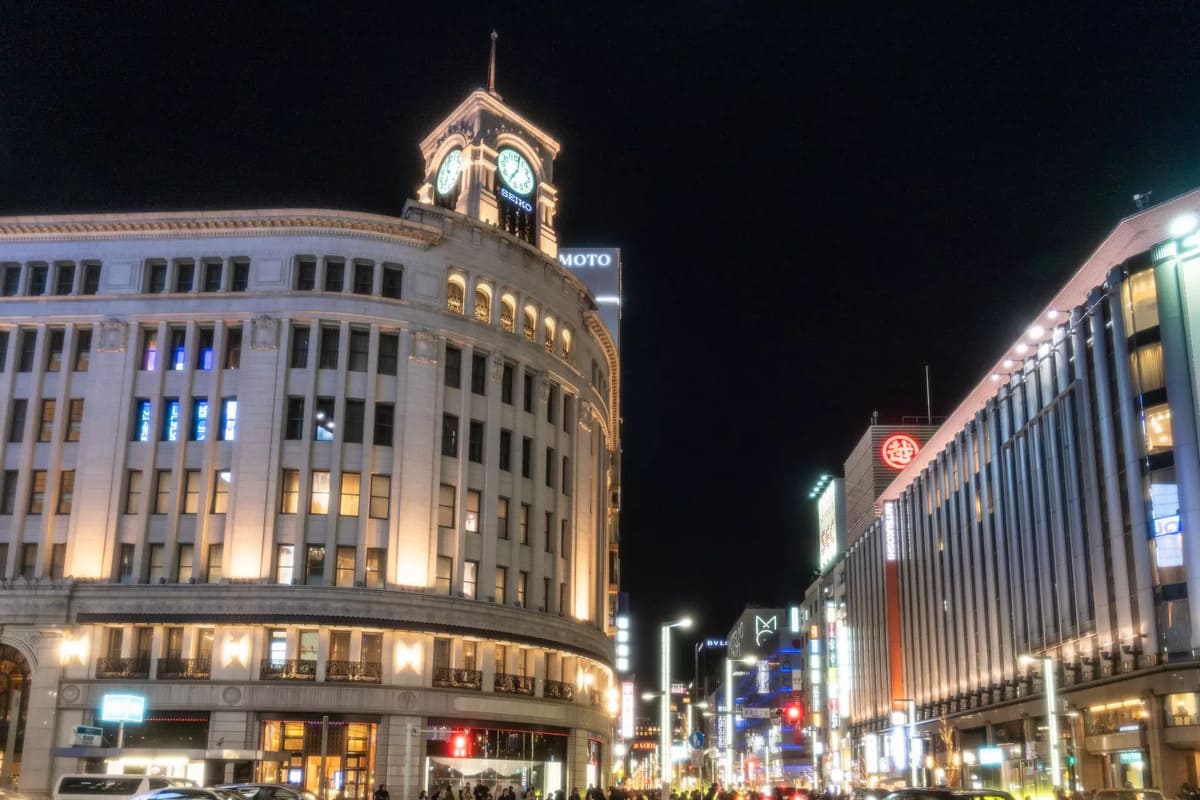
(122, 668)
(289, 669)
(451, 678)
(513, 684)
(183, 669)
(354, 671)
(559, 690)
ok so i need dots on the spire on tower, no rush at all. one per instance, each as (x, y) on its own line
(491, 85)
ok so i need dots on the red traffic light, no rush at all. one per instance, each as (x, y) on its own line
(795, 714)
(460, 743)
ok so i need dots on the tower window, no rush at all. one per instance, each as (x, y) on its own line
(456, 294)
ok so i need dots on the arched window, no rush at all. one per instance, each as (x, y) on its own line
(483, 303)
(456, 294)
(530, 324)
(508, 313)
(549, 343)
(566, 337)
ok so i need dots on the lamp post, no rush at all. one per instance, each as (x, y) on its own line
(664, 716)
(1050, 690)
(729, 724)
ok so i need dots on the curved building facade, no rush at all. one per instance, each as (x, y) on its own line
(333, 493)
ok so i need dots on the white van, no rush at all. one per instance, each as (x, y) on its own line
(111, 787)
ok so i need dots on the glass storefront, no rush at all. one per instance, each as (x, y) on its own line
(347, 759)
(525, 758)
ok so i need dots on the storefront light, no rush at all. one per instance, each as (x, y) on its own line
(73, 648)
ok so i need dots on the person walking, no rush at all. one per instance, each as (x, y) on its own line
(381, 793)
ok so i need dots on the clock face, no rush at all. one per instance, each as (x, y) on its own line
(515, 171)
(448, 172)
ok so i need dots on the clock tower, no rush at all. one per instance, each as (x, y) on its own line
(487, 161)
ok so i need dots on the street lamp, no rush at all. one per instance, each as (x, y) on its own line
(664, 716)
(1051, 691)
(729, 726)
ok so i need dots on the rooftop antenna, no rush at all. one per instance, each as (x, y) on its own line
(928, 399)
(492, 67)
(1142, 200)
(874, 417)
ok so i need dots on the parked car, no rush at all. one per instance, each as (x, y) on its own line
(942, 793)
(1127, 794)
(110, 787)
(789, 793)
(190, 793)
(270, 791)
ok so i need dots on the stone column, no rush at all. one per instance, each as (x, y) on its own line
(41, 720)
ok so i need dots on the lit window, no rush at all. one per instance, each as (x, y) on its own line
(221, 491)
(472, 523)
(508, 313)
(290, 492)
(170, 431)
(228, 419)
(319, 498)
(456, 294)
(470, 578)
(141, 420)
(199, 431)
(285, 562)
(483, 303)
(1158, 429)
(348, 502)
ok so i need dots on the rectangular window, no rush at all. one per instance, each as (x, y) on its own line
(215, 570)
(38, 274)
(566, 413)
(348, 502)
(178, 349)
(471, 579)
(360, 345)
(74, 419)
(522, 584)
(233, 347)
(335, 274)
(300, 337)
(294, 423)
(318, 501)
(46, 421)
(3, 559)
(562, 538)
(16, 421)
(54, 350)
(91, 278)
(314, 565)
(565, 483)
(158, 563)
(381, 495)
(141, 420)
(385, 414)
(8, 499)
(546, 594)
(475, 441)
(506, 385)
(551, 404)
(149, 358)
(198, 431)
(185, 276)
(133, 489)
(191, 491)
(478, 373)
(212, 276)
(446, 502)
(3, 350)
(502, 518)
(505, 450)
(324, 420)
(228, 430)
(526, 457)
(11, 287)
(389, 353)
(548, 529)
(501, 590)
(285, 563)
(241, 275)
(472, 521)
(527, 393)
(364, 278)
(205, 358)
(469, 652)
(184, 563)
(445, 574)
(29, 560)
(352, 430)
(453, 377)
(157, 281)
(449, 435)
(550, 467)
(344, 564)
(83, 349)
(374, 568)
(64, 280)
(170, 426)
(328, 357)
(306, 274)
(27, 343)
(524, 531)
(290, 492)
(163, 489)
(58, 560)
(392, 281)
(37, 491)
(221, 482)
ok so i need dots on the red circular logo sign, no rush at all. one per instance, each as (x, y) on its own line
(898, 451)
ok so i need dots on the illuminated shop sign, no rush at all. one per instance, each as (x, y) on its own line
(990, 756)
(122, 708)
(516, 200)
(627, 706)
(715, 643)
(586, 258)
(828, 523)
(898, 451)
(889, 530)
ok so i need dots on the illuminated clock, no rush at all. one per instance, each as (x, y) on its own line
(448, 172)
(515, 171)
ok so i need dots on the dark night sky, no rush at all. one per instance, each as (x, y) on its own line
(804, 193)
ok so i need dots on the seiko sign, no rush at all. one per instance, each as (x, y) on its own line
(516, 200)
(577, 259)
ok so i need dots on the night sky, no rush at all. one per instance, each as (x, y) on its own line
(814, 200)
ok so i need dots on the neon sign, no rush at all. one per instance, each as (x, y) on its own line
(889, 531)
(519, 202)
(898, 451)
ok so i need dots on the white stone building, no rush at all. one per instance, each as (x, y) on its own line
(334, 492)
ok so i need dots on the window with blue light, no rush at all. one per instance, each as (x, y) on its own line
(171, 421)
(199, 430)
(228, 419)
(141, 420)
(204, 352)
(178, 350)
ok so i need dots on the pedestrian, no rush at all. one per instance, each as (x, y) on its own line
(381, 793)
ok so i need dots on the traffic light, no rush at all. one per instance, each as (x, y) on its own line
(460, 743)
(794, 713)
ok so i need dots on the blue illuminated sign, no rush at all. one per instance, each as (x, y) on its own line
(519, 202)
(122, 708)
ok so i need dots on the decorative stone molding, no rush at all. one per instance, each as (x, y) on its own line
(586, 412)
(231, 695)
(68, 693)
(545, 391)
(424, 347)
(112, 336)
(264, 333)
(497, 366)
(406, 701)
